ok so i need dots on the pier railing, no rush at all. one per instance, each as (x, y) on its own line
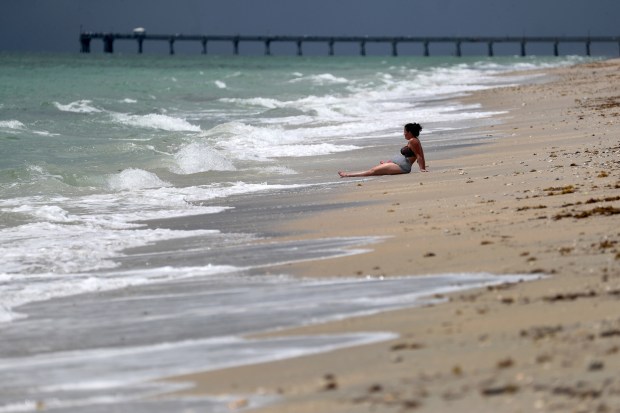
(330, 41)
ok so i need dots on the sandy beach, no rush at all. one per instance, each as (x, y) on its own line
(542, 197)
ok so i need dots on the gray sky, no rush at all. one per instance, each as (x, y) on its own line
(54, 25)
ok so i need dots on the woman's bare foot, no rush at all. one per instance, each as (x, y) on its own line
(342, 174)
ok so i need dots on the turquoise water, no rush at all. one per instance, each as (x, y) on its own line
(129, 178)
(70, 122)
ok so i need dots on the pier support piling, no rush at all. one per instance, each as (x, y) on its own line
(331, 47)
(426, 49)
(267, 47)
(108, 43)
(140, 44)
(363, 48)
(171, 45)
(236, 46)
(458, 48)
(85, 43)
(394, 48)
(299, 50)
(204, 45)
(490, 47)
(522, 48)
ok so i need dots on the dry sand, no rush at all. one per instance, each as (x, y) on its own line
(542, 197)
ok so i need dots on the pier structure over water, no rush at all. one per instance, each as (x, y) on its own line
(139, 36)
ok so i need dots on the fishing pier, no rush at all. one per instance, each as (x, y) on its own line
(140, 36)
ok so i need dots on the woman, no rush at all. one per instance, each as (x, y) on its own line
(400, 164)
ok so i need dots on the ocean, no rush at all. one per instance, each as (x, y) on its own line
(134, 191)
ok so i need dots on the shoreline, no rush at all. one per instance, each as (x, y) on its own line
(542, 198)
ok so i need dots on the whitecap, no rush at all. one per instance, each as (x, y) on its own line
(200, 157)
(322, 79)
(220, 84)
(19, 126)
(156, 121)
(134, 178)
(264, 102)
(44, 133)
(11, 124)
(265, 143)
(80, 106)
(328, 78)
(45, 212)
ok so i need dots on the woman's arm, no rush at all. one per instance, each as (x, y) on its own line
(416, 147)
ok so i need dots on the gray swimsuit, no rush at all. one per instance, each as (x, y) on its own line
(401, 161)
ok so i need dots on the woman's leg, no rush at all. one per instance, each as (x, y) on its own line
(383, 169)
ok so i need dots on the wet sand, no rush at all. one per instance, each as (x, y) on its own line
(542, 197)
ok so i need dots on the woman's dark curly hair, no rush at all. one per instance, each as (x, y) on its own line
(414, 128)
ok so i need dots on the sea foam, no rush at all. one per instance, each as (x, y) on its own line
(17, 290)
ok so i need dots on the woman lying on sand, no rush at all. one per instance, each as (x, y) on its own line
(401, 163)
